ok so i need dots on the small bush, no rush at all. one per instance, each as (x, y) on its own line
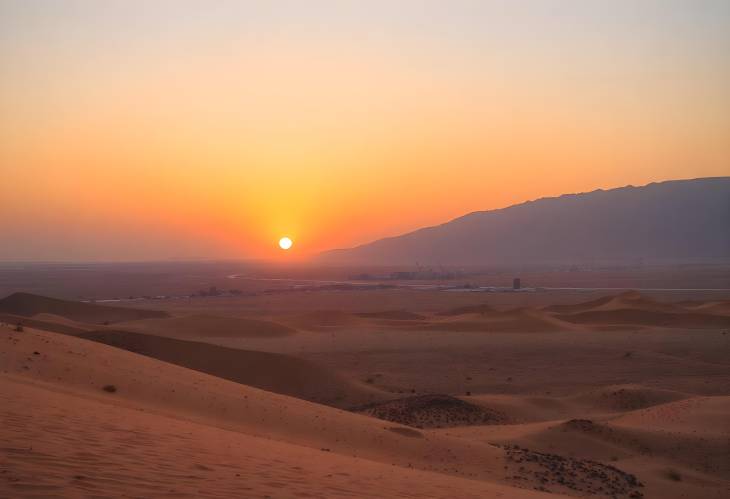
(110, 388)
(673, 475)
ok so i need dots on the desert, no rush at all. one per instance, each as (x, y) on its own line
(364, 249)
(608, 394)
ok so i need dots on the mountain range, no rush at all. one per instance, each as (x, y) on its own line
(678, 220)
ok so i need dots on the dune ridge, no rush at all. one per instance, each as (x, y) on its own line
(77, 367)
(209, 326)
(269, 371)
(83, 447)
(28, 305)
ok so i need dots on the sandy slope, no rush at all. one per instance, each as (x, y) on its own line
(678, 448)
(28, 305)
(615, 312)
(48, 322)
(323, 320)
(63, 445)
(521, 320)
(632, 308)
(600, 402)
(269, 371)
(75, 366)
(577, 400)
(713, 307)
(209, 326)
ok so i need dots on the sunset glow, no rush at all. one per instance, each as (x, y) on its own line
(133, 130)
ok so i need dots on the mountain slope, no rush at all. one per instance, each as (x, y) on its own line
(674, 220)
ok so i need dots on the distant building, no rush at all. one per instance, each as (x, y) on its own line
(516, 284)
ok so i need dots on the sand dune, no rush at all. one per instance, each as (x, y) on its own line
(599, 402)
(518, 409)
(82, 447)
(678, 448)
(606, 313)
(395, 315)
(209, 326)
(621, 301)
(633, 309)
(572, 411)
(464, 319)
(268, 371)
(702, 415)
(48, 322)
(72, 367)
(609, 313)
(621, 398)
(467, 309)
(521, 320)
(712, 307)
(323, 320)
(29, 305)
(630, 317)
(615, 312)
(693, 433)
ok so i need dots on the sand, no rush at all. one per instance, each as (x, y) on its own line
(28, 305)
(269, 371)
(61, 445)
(206, 326)
(444, 399)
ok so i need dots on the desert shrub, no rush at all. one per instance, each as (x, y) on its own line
(673, 475)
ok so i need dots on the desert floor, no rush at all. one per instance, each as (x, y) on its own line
(368, 393)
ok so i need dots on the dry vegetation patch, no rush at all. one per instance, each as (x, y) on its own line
(432, 411)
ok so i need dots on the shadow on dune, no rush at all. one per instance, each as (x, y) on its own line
(269, 371)
(28, 305)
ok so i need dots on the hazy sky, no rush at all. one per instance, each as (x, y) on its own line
(154, 129)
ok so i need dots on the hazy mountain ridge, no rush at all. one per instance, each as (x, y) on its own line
(678, 220)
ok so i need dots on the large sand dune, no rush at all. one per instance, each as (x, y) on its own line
(268, 371)
(514, 321)
(63, 390)
(28, 305)
(48, 322)
(209, 326)
(59, 444)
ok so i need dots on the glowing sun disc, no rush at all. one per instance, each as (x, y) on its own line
(285, 243)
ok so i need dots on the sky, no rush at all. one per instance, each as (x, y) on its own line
(146, 130)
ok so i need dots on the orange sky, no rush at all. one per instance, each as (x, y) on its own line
(131, 131)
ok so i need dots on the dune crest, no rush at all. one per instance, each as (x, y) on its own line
(209, 326)
(269, 371)
(28, 305)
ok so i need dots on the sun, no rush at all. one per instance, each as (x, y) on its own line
(285, 243)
